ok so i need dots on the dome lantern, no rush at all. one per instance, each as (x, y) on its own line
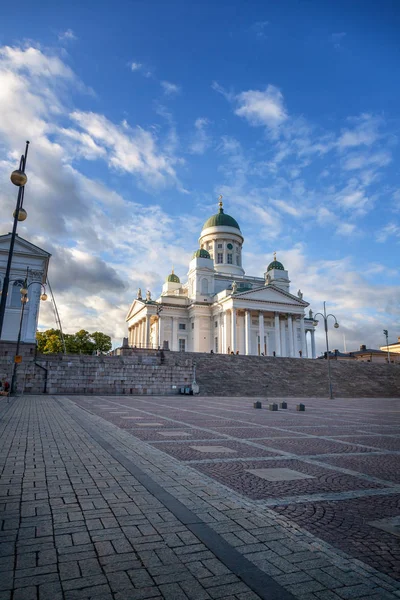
(201, 253)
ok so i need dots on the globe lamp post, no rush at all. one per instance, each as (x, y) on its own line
(24, 299)
(336, 325)
(19, 179)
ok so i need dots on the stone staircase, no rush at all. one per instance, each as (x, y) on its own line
(231, 375)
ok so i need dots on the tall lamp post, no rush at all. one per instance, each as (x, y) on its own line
(386, 334)
(19, 179)
(24, 299)
(336, 325)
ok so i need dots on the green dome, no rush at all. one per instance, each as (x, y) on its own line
(221, 219)
(172, 278)
(201, 253)
(276, 265)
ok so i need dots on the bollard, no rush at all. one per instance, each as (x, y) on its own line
(257, 405)
(283, 405)
(273, 406)
(301, 407)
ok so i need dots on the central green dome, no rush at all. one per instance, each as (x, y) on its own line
(221, 219)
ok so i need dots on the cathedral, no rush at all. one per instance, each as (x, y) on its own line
(221, 309)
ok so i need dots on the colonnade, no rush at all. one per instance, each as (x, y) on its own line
(238, 333)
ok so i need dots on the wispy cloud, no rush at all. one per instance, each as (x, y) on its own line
(390, 230)
(136, 66)
(170, 89)
(67, 35)
(200, 140)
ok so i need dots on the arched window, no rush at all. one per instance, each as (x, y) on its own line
(16, 293)
(204, 286)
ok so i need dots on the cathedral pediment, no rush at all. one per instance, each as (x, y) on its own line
(270, 293)
(135, 307)
(22, 246)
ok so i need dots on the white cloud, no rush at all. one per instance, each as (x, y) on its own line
(67, 35)
(355, 161)
(170, 89)
(391, 229)
(135, 66)
(34, 62)
(262, 107)
(200, 140)
(364, 133)
(288, 208)
(128, 149)
(346, 229)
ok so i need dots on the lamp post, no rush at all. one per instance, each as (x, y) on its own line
(24, 299)
(19, 179)
(336, 325)
(386, 334)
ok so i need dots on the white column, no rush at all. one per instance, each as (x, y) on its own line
(233, 331)
(290, 328)
(303, 338)
(143, 333)
(283, 337)
(277, 336)
(31, 315)
(225, 333)
(173, 334)
(295, 341)
(247, 327)
(261, 330)
(313, 343)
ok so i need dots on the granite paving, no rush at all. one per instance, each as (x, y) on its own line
(93, 505)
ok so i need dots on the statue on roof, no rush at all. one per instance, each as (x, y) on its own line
(234, 287)
(300, 294)
(148, 296)
(310, 314)
(139, 294)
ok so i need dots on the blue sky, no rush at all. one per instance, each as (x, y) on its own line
(140, 114)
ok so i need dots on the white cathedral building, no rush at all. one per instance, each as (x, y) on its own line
(220, 308)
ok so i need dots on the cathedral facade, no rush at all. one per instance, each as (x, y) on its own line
(220, 308)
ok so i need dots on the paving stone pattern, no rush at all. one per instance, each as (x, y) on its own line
(76, 523)
(347, 447)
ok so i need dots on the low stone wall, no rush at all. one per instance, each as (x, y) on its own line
(150, 372)
(146, 372)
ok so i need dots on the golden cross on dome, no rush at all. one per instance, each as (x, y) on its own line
(274, 255)
(220, 200)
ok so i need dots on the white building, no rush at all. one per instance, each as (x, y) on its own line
(31, 262)
(220, 308)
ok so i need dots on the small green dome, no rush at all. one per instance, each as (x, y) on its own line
(201, 253)
(172, 278)
(276, 265)
(221, 219)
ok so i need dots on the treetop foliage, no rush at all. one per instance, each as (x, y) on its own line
(81, 342)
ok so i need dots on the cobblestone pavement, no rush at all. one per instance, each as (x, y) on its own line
(167, 497)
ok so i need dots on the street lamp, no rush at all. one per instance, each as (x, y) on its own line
(336, 325)
(24, 299)
(386, 334)
(19, 179)
(159, 309)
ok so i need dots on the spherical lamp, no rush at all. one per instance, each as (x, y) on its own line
(336, 325)
(18, 178)
(43, 297)
(22, 214)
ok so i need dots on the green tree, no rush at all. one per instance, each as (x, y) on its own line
(81, 342)
(49, 341)
(101, 341)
